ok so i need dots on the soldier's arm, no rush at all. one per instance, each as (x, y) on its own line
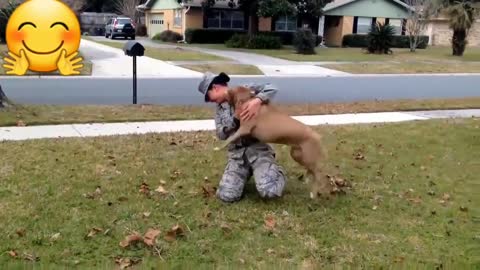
(225, 123)
(265, 92)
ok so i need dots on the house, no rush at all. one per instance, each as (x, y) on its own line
(161, 15)
(343, 17)
(441, 35)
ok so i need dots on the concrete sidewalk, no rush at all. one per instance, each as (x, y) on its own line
(126, 128)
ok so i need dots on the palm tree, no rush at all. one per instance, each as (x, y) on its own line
(461, 15)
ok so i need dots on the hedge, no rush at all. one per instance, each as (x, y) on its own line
(361, 41)
(223, 35)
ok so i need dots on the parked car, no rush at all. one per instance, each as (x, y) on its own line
(120, 27)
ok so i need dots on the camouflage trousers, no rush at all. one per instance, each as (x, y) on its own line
(257, 160)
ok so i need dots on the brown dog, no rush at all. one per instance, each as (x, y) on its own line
(273, 126)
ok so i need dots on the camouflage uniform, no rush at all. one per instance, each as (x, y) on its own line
(248, 156)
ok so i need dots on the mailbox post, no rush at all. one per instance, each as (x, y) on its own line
(134, 49)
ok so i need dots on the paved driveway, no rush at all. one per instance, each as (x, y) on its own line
(111, 62)
(270, 66)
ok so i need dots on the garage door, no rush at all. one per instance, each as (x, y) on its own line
(157, 24)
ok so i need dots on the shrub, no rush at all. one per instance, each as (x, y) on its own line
(168, 36)
(254, 42)
(361, 41)
(5, 14)
(238, 41)
(218, 36)
(264, 42)
(305, 41)
(380, 39)
(141, 30)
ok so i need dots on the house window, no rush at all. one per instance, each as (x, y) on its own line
(364, 24)
(286, 23)
(177, 22)
(226, 19)
(397, 24)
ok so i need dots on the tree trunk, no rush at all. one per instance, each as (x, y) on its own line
(459, 42)
(253, 24)
(4, 101)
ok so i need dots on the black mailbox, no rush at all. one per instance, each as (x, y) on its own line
(132, 48)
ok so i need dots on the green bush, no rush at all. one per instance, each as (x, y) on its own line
(168, 36)
(304, 41)
(380, 38)
(361, 41)
(5, 14)
(214, 36)
(238, 41)
(259, 41)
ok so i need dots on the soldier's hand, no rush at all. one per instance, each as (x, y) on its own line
(250, 109)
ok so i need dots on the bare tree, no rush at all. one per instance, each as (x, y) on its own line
(128, 8)
(75, 5)
(418, 15)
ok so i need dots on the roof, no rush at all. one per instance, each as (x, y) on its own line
(194, 3)
(339, 3)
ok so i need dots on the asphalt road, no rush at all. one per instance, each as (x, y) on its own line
(292, 90)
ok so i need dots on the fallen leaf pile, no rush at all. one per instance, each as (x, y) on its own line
(339, 184)
(151, 236)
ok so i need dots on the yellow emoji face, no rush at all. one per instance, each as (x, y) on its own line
(43, 36)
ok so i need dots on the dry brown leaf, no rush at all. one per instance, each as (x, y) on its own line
(416, 200)
(208, 191)
(21, 232)
(144, 188)
(150, 237)
(446, 197)
(125, 263)
(359, 156)
(131, 239)
(94, 231)
(30, 257)
(13, 253)
(55, 237)
(174, 233)
(161, 190)
(21, 123)
(270, 222)
(226, 228)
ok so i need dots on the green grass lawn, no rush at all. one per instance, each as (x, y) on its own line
(357, 55)
(85, 70)
(406, 67)
(57, 114)
(233, 69)
(413, 203)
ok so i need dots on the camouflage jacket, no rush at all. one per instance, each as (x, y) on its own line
(226, 124)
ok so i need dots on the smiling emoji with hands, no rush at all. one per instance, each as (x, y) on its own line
(43, 36)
